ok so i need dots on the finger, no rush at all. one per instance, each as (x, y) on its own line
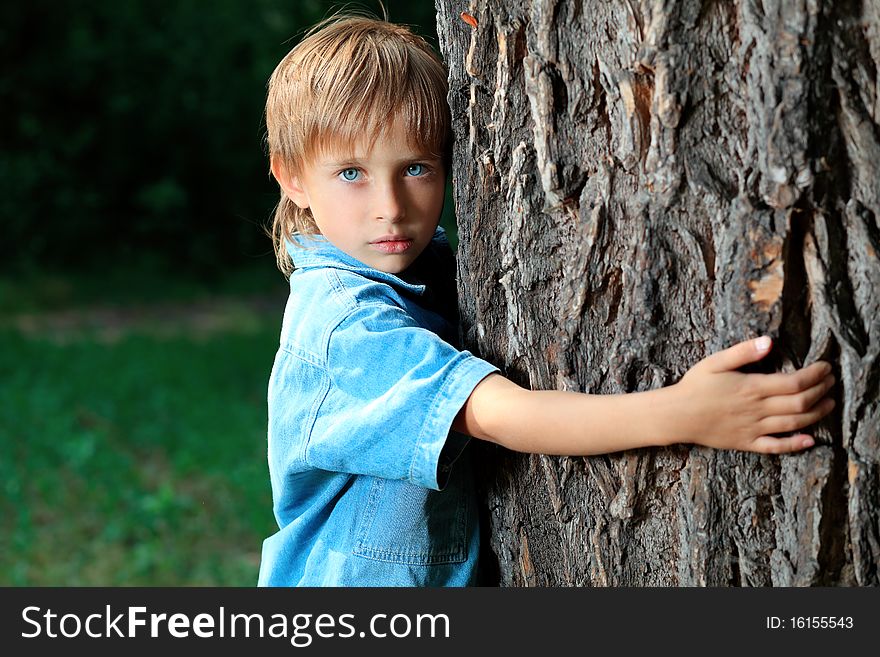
(789, 383)
(799, 402)
(795, 421)
(772, 445)
(738, 355)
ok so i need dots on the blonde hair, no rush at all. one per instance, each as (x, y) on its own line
(346, 82)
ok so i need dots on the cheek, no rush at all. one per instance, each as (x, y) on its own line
(334, 214)
(431, 200)
(331, 203)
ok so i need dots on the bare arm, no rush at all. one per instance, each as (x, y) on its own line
(712, 405)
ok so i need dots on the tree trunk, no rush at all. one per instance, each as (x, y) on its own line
(640, 183)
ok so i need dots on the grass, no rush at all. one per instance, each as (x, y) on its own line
(139, 283)
(135, 457)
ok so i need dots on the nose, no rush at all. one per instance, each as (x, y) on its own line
(390, 203)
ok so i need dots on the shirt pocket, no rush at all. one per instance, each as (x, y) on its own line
(405, 523)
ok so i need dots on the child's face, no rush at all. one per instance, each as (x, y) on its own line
(380, 206)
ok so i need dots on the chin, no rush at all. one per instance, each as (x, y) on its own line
(394, 267)
(393, 270)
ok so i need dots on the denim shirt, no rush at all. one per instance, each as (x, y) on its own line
(369, 485)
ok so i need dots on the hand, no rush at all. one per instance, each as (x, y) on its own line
(726, 409)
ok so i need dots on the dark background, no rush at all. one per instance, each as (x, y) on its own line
(133, 131)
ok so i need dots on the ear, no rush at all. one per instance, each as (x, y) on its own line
(289, 183)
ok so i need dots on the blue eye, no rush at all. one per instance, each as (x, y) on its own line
(350, 174)
(415, 170)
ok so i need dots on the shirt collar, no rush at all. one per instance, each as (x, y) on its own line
(316, 251)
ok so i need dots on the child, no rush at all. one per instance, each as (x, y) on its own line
(369, 401)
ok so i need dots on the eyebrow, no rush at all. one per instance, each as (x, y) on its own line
(336, 164)
(349, 161)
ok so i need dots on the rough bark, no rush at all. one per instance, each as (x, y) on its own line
(639, 184)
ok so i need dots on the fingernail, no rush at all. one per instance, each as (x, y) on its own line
(807, 442)
(762, 343)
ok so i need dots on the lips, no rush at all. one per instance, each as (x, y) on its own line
(392, 244)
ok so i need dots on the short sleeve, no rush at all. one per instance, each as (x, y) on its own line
(395, 389)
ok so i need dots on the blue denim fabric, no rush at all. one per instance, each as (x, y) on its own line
(363, 392)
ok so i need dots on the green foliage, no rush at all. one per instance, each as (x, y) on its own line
(133, 130)
(138, 461)
(129, 285)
